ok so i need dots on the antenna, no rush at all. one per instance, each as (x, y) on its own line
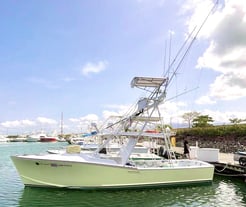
(62, 124)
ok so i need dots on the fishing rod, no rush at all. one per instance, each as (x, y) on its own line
(185, 92)
(189, 47)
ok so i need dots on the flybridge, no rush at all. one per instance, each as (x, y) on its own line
(147, 82)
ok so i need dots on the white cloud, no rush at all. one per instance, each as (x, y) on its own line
(226, 33)
(229, 86)
(108, 113)
(84, 124)
(74, 119)
(198, 10)
(18, 126)
(27, 122)
(90, 117)
(205, 100)
(222, 117)
(43, 120)
(10, 124)
(94, 67)
(171, 111)
(18, 123)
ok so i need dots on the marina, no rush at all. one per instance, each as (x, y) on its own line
(56, 61)
(13, 193)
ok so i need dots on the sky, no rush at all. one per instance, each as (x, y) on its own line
(74, 60)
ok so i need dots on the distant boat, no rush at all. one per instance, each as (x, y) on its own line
(45, 138)
(3, 139)
(33, 138)
(41, 138)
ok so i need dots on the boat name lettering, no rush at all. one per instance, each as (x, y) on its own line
(53, 164)
(59, 165)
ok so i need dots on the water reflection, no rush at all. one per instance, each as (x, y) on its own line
(220, 193)
(231, 191)
(180, 196)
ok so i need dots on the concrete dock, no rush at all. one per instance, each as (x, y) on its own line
(225, 165)
(223, 157)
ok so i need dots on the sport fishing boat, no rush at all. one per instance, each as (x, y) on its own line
(41, 138)
(116, 170)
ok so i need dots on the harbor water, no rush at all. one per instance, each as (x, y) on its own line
(223, 191)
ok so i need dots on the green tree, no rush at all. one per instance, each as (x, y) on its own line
(202, 121)
(236, 120)
(190, 116)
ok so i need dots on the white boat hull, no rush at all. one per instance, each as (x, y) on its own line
(32, 139)
(84, 175)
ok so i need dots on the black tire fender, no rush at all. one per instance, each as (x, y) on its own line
(242, 161)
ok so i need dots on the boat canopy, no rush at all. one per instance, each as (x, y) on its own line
(149, 119)
(147, 82)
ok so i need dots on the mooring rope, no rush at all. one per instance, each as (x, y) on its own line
(222, 169)
(231, 175)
